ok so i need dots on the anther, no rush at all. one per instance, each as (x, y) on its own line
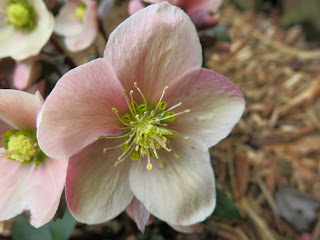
(164, 90)
(144, 99)
(149, 166)
(161, 165)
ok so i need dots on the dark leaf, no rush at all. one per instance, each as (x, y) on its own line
(225, 207)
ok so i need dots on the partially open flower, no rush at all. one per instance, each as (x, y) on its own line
(30, 181)
(25, 73)
(77, 22)
(200, 11)
(25, 27)
(138, 122)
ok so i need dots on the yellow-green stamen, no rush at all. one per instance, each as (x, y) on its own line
(148, 129)
(80, 11)
(22, 146)
(21, 15)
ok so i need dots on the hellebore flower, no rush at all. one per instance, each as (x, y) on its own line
(30, 181)
(25, 27)
(198, 10)
(25, 73)
(147, 100)
(77, 22)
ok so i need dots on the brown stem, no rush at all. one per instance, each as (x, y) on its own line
(102, 31)
(54, 41)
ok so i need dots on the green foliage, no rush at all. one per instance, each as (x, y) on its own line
(61, 229)
(225, 207)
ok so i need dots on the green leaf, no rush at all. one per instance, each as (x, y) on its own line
(225, 207)
(216, 33)
(61, 229)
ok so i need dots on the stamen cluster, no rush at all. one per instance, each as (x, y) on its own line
(21, 15)
(22, 146)
(148, 129)
(80, 11)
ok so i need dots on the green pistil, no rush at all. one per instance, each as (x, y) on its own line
(148, 129)
(21, 15)
(22, 146)
(80, 11)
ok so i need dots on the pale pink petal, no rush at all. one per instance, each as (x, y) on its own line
(214, 5)
(135, 6)
(208, 5)
(36, 190)
(186, 229)
(73, 114)
(97, 191)
(202, 18)
(45, 187)
(20, 44)
(3, 7)
(161, 45)
(89, 31)
(216, 105)
(66, 22)
(25, 73)
(183, 193)
(13, 179)
(138, 213)
(156, 1)
(19, 109)
(178, 3)
(4, 4)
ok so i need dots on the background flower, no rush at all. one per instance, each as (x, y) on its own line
(200, 11)
(77, 22)
(26, 72)
(25, 186)
(20, 43)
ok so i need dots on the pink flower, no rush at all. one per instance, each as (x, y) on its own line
(198, 10)
(25, 27)
(30, 181)
(147, 100)
(77, 22)
(25, 73)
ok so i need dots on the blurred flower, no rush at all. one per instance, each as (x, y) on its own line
(77, 22)
(198, 10)
(25, 27)
(25, 73)
(30, 181)
(165, 125)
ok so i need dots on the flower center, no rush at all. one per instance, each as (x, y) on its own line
(80, 11)
(22, 146)
(148, 130)
(21, 15)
